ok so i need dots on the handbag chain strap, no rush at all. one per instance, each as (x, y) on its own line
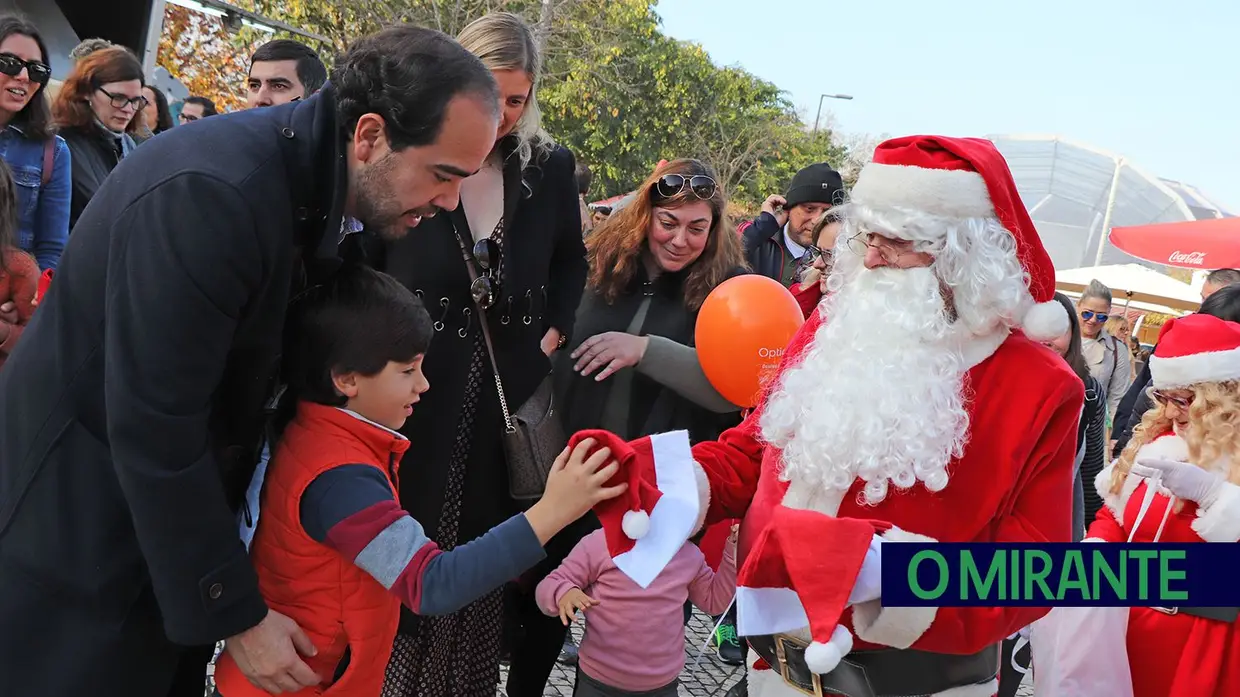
(486, 334)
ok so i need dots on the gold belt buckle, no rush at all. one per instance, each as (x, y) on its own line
(1167, 610)
(780, 653)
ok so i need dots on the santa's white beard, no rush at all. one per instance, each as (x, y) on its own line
(879, 392)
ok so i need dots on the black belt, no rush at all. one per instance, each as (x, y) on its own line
(878, 673)
(1222, 614)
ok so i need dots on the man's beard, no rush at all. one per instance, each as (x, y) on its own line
(879, 393)
(377, 206)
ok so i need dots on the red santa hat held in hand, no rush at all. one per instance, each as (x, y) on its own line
(1194, 349)
(800, 573)
(965, 178)
(650, 522)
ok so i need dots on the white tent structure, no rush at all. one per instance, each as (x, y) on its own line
(1132, 282)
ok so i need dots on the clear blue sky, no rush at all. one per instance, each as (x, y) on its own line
(1155, 81)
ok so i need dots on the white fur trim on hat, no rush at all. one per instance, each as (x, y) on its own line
(1182, 371)
(951, 193)
(1046, 321)
(1221, 521)
(635, 524)
(897, 627)
(823, 658)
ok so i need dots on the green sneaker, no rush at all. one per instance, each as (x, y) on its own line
(728, 646)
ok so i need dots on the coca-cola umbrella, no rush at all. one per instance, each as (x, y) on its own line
(1196, 244)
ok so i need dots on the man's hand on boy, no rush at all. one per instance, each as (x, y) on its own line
(267, 654)
(571, 602)
(574, 485)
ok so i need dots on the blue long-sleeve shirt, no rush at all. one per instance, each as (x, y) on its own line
(351, 509)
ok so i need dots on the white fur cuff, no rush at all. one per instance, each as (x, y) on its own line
(703, 486)
(1221, 521)
(897, 627)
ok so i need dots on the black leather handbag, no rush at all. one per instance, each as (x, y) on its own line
(533, 435)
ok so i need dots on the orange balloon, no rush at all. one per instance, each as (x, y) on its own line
(741, 333)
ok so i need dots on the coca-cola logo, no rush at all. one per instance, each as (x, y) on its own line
(1193, 258)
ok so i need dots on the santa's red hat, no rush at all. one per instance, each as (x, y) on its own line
(647, 524)
(800, 572)
(965, 178)
(1195, 349)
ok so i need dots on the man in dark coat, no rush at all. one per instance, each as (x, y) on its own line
(776, 242)
(132, 412)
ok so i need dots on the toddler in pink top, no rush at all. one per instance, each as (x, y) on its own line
(610, 663)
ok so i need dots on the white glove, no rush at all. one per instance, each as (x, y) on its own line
(870, 579)
(1182, 479)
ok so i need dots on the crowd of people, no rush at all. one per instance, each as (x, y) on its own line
(284, 375)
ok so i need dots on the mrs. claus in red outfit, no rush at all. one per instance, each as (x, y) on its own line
(1183, 460)
(914, 405)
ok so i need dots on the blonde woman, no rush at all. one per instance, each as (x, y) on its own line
(519, 222)
(1182, 465)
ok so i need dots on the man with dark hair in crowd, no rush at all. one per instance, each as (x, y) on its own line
(778, 243)
(584, 177)
(133, 411)
(283, 71)
(1219, 278)
(197, 108)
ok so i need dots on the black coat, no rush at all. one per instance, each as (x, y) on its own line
(545, 270)
(95, 155)
(764, 247)
(132, 410)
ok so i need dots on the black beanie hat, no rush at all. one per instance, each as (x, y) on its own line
(817, 183)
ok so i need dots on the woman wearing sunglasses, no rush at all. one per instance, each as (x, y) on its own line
(520, 227)
(38, 159)
(1108, 358)
(94, 112)
(1176, 483)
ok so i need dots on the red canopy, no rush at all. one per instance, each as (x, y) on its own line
(1196, 244)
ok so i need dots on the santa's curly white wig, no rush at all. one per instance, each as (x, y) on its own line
(879, 394)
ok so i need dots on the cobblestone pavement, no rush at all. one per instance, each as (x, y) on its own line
(706, 677)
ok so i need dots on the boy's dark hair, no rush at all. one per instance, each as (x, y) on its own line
(357, 322)
(310, 69)
(408, 75)
(208, 106)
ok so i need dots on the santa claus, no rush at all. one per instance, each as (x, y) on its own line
(916, 405)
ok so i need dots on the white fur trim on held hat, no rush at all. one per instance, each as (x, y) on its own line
(1046, 321)
(635, 524)
(951, 193)
(1182, 371)
(823, 658)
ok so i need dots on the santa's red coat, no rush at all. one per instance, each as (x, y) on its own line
(1013, 484)
(1173, 655)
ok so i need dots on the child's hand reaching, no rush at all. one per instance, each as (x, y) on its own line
(571, 602)
(574, 485)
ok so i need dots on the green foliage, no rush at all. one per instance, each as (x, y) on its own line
(615, 90)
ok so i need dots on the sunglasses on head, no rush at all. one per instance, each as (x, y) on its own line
(1088, 315)
(484, 288)
(12, 66)
(670, 185)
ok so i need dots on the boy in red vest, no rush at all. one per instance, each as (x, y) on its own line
(333, 550)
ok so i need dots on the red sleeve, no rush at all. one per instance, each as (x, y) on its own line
(1106, 528)
(1039, 513)
(732, 465)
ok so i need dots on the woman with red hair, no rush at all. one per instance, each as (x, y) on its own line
(94, 112)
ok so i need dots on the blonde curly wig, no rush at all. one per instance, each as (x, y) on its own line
(1213, 431)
